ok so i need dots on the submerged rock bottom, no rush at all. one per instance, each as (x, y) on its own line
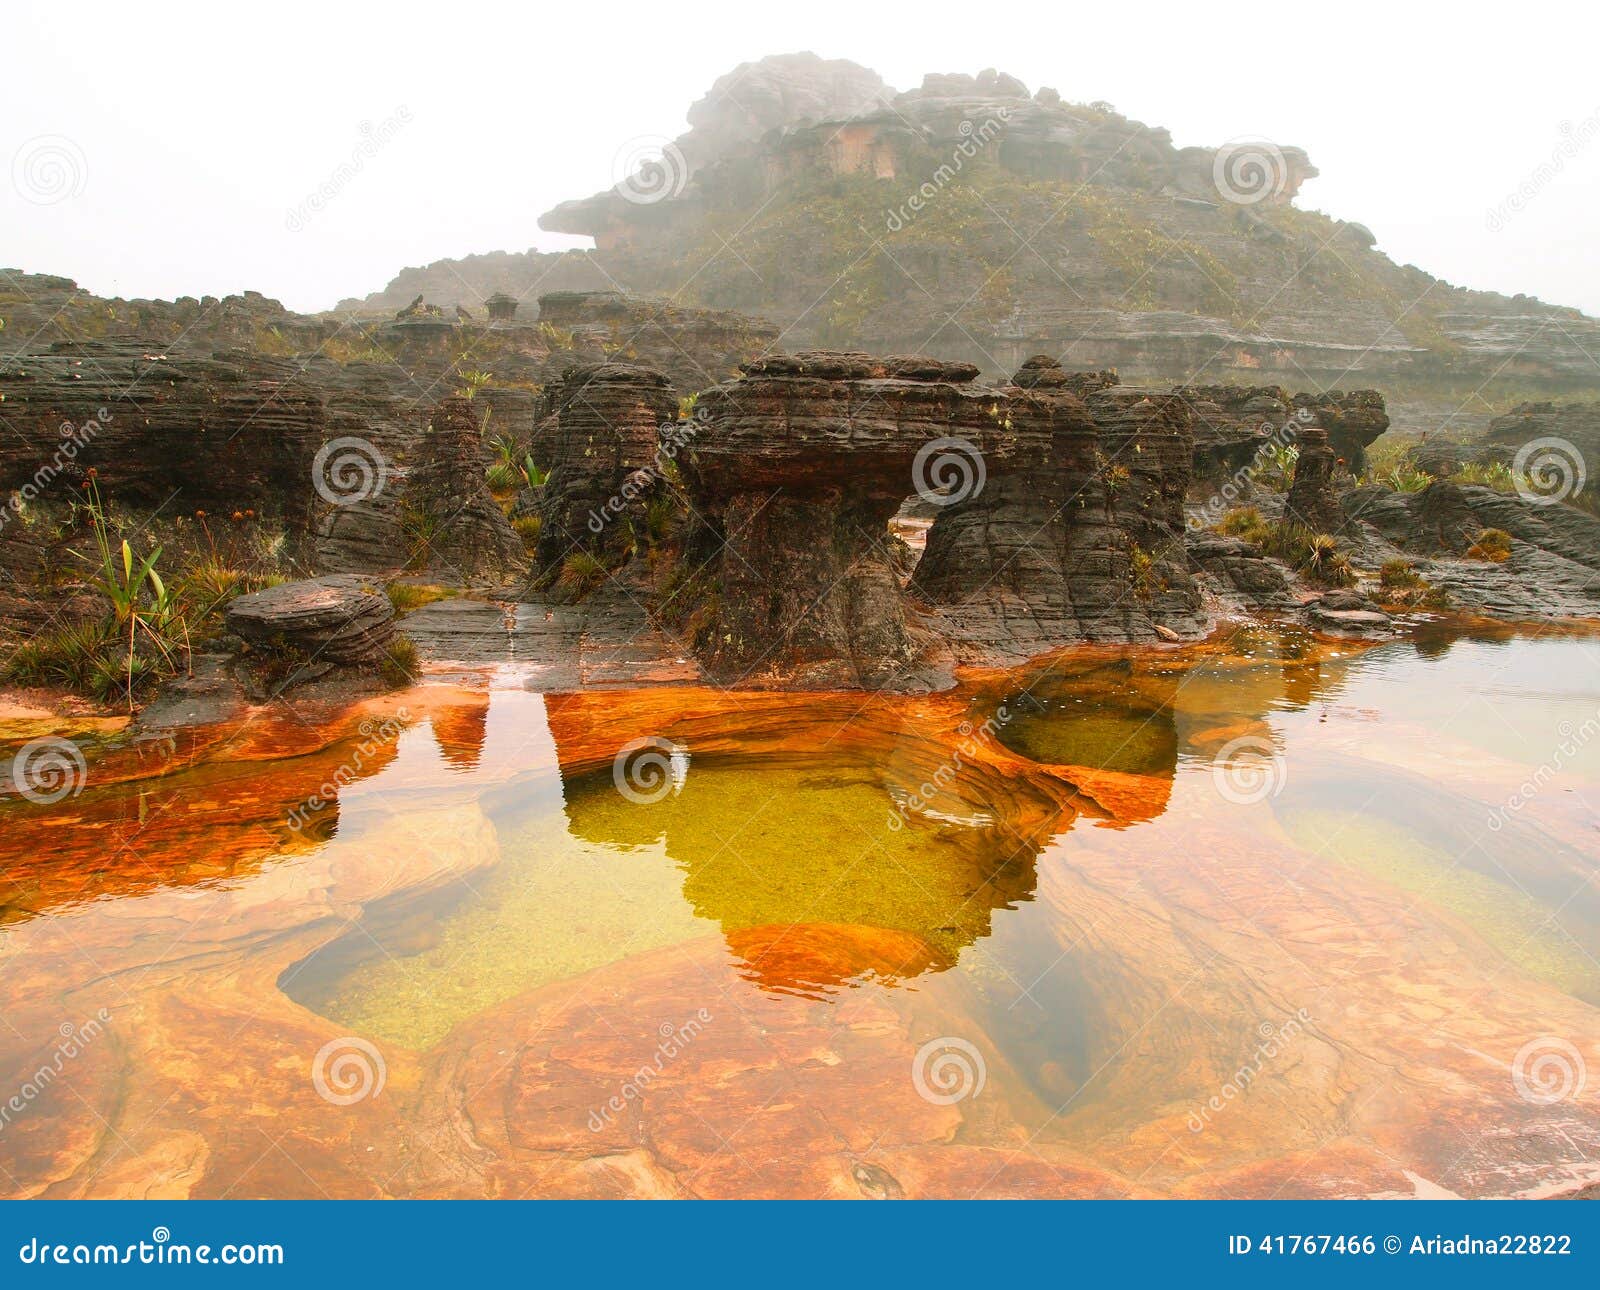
(1269, 917)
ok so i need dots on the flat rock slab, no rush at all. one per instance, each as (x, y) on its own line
(341, 618)
(606, 640)
(1348, 613)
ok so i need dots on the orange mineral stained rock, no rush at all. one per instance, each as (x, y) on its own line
(856, 945)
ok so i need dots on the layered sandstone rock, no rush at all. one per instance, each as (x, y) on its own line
(1078, 533)
(462, 530)
(800, 466)
(338, 619)
(1057, 518)
(1311, 502)
(1235, 423)
(227, 432)
(1552, 571)
(694, 348)
(603, 453)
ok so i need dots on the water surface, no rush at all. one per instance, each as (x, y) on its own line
(1270, 917)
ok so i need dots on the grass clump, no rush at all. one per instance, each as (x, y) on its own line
(398, 666)
(1315, 556)
(1240, 521)
(1395, 574)
(1492, 474)
(580, 574)
(1492, 545)
(406, 596)
(527, 527)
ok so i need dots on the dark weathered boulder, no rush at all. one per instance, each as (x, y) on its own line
(1345, 612)
(1240, 574)
(1077, 534)
(337, 619)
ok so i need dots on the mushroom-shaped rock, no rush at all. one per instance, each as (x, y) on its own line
(337, 619)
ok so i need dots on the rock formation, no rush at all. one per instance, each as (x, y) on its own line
(220, 433)
(338, 619)
(1234, 422)
(801, 463)
(1077, 535)
(1311, 502)
(603, 463)
(457, 525)
(1058, 518)
(1167, 250)
(694, 348)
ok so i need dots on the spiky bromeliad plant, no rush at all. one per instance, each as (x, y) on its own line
(142, 609)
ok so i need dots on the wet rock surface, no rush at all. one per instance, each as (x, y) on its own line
(1345, 612)
(1552, 569)
(1243, 578)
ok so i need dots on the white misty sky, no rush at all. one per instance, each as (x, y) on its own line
(200, 126)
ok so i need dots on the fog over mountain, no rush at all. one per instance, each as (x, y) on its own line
(167, 152)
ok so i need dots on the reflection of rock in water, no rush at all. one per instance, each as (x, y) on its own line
(460, 731)
(796, 858)
(829, 843)
(1105, 714)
